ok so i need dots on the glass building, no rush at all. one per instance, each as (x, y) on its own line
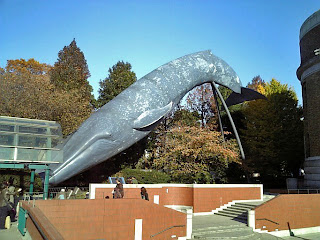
(29, 140)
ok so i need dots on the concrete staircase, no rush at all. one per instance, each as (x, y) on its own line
(238, 211)
(219, 227)
(229, 223)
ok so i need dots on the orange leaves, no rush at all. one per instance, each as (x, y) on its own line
(193, 150)
(26, 91)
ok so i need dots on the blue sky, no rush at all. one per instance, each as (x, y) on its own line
(254, 37)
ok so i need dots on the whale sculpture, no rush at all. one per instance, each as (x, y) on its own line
(131, 115)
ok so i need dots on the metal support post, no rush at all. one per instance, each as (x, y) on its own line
(218, 111)
(230, 119)
(31, 182)
(46, 184)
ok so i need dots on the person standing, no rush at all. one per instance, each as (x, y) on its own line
(62, 194)
(11, 195)
(4, 205)
(144, 194)
(119, 187)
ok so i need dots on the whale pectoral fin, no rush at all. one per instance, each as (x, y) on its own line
(151, 116)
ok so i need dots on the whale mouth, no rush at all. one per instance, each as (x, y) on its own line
(98, 148)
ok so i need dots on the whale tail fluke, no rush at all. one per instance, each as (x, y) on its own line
(246, 94)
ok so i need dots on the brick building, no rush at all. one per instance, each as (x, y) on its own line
(309, 75)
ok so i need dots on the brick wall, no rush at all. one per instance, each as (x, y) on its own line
(202, 197)
(178, 194)
(311, 110)
(33, 231)
(111, 219)
(297, 210)
(208, 199)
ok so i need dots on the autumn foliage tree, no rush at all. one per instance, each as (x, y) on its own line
(201, 101)
(26, 91)
(194, 154)
(273, 133)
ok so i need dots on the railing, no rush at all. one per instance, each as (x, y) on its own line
(58, 189)
(303, 191)
(27, 196)
(53, 192)
(267, 220)
(166, 230)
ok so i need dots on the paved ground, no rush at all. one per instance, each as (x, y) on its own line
(200, 222)
(312, 236)
(13, 233)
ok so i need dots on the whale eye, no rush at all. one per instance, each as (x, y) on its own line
(108, 135)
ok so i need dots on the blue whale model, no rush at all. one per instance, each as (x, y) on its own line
(131, 115)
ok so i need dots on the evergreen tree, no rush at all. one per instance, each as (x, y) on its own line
(71, 71)
(120, 77)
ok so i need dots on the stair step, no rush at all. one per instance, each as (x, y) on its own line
(238, 216)
(246, 208)
(232, 210)
(238, 209)
(214, 228)
(237, 234)
(220, 230)
(246, 205)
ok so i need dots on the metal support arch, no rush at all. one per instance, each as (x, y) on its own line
(230, 119)
(219, 115)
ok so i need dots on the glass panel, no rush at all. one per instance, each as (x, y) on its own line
(6, 153)
(6, 128)
(26, 141)
(7, 140)
(34, 130)
(56, 131)
(42, 142)
(55, 143)
(33, 141)
(57, 156)
(32, 155)
(7, 119)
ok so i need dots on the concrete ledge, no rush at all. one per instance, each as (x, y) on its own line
(311, 70)
(94, 186)
(312, 162)
(312, 177)
(312, 170)
(299, 231)
(37, 216)
(312, 183)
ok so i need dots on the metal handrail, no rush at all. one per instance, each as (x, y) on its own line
(268, 220)
(166, 230)
(303, 190)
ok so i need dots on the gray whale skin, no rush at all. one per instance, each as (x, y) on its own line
(131, 115)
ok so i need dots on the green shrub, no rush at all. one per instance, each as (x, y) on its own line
(144, 176)
(21, 179)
